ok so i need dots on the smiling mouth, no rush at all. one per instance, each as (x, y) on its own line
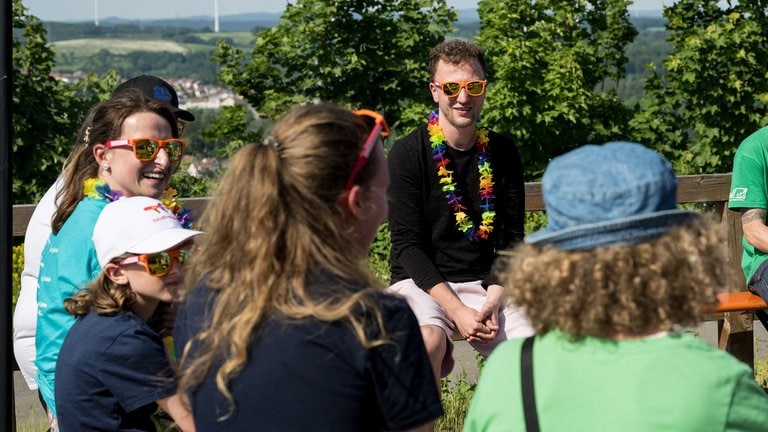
(154, 176)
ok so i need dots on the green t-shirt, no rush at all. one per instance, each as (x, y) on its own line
(749, 189)
(668, 383)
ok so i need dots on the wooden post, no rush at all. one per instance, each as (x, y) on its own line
(737, 335)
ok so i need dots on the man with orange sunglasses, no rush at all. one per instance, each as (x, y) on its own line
(456, 197)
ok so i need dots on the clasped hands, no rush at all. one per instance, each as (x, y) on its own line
(481, 326)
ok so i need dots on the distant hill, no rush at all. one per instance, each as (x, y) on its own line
(227, 23)
(248, 21)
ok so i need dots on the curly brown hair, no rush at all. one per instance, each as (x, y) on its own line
(455, 52)
(621, 290)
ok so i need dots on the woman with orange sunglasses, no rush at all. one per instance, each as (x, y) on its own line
(101, 169)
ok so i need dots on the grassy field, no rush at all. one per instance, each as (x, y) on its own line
(239, 39)
(137, 55)
(81, 47)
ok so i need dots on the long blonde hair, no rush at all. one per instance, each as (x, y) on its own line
(277, 218)
(627, 290)
(103, 122)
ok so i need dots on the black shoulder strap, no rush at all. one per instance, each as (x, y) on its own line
(526, 380)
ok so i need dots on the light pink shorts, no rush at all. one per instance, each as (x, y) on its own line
(512, 321)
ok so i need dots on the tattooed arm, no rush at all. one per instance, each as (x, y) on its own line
(755, 229)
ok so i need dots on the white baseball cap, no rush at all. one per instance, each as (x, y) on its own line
(138, 225)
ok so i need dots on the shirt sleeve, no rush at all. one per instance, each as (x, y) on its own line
(136, 369)
(402, 375)
(510, 208)
(407, 215)
(749, 406)
(748, 180)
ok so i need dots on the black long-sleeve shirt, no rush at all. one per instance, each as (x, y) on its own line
(427, 246)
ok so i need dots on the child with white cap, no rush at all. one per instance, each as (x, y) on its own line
(112, 370)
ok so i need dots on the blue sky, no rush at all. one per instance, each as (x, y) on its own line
(66, 10)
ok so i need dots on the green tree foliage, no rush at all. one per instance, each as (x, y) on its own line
(361, 53)
(46, 112)
(231, 130)
(715, 90)
(551, 62)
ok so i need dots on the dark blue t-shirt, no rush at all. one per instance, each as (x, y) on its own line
(110, 372)
(308, 375)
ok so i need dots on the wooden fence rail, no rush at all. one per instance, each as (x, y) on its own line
(735, 328)
(710, 188)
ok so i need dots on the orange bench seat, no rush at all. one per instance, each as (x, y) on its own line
(739, 301)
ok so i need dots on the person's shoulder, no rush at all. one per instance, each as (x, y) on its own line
(413, 140)
(195, 308)
(508, 349)
(394, 309)
(756, 139)
(97, 330)
(698, 354)
(504, 357)
(87, 211)
(493, 134)
(85, 323)
(120, 321)
(500, 140)
(200, 296)
(391, 302)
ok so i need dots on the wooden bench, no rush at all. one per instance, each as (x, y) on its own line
(735, 317)
(735, 314)
(739, 301)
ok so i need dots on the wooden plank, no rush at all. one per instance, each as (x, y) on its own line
(703, 188)
(23, 212)
(691, 189)
(533, 198)
(21, 215)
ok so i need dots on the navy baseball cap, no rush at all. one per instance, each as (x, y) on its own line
(156, 88)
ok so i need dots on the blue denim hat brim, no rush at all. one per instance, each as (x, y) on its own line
(626, 231)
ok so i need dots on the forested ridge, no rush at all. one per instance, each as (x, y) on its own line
(199, 40)
(690, 83)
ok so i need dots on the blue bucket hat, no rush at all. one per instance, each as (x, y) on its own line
(619, 193)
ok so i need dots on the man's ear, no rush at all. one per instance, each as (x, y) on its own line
(115, 273)
(434, 89)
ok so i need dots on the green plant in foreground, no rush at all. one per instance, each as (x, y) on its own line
(378, 255)
(16, 268)
(456, 395)
(761, 373)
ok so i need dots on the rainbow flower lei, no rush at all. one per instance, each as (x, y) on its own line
(99, 189)
(452, 194)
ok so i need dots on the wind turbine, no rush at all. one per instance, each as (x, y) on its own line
(96, 13)
(216, 16)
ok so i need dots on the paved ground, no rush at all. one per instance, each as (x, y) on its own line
(29, 413)
(31, 418)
